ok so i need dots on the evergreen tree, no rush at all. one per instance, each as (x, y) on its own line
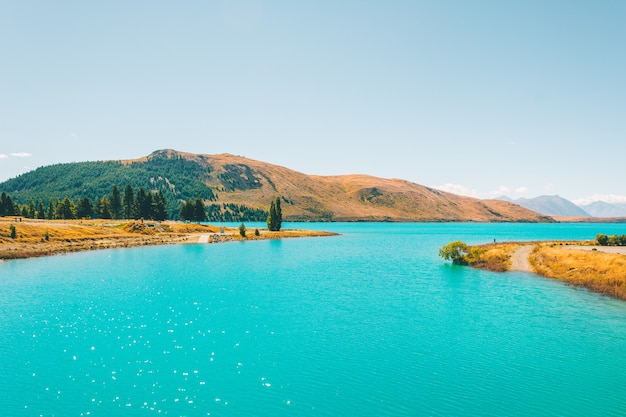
(31, 209)
(279, 215)
(105, 209)
(143, 204)
(3, 198)
(187, 210)
(41, 213)
(271, 216)
(128, 201)
(242, 230)
(159, 206)
(65, 209)
(275, 216)
(50, 214)
(116, 202)
(84, 208)
(199, 213)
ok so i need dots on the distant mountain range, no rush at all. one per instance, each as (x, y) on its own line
(549, 205)
(603, 209)
(553, 205)
(239, 185)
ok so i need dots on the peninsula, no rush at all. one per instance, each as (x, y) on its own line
(599, 268)
(33, 237)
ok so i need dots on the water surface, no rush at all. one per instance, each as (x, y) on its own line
(369, 323)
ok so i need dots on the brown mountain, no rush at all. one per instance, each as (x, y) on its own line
(253, 183)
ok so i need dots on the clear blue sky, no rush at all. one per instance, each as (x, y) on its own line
(522, 98)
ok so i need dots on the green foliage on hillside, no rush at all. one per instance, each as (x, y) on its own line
(177, 178)
(239, 177)
(234, 213)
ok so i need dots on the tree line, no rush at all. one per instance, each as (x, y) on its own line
(116, 205)
(142, 204)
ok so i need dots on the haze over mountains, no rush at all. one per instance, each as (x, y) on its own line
(226, 180)
(554, 205)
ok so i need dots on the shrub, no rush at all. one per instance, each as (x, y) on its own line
(454, 252)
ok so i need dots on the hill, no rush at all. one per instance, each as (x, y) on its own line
(550, 205)
(235, 185)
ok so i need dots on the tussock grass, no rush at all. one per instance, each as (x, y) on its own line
(598, 271)
(493, 257)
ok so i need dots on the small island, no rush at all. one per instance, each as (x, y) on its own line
(26, 238)
(599, 265)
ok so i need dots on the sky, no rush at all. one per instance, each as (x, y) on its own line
(481, 98)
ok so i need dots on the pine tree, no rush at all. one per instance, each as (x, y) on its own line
(50, 212)
(199, 213)
(104, 209)
(159, 206)
(279, 215)
(31, 209)
(186, 211)
(3, 210)
(41, 214)
(65, 209)
(128, 201)
(116, 202)
(271, 216)
(275, 216)
(84, 208)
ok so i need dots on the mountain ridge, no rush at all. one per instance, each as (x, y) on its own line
(226, 179)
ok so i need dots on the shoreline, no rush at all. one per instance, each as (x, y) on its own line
(600, 269)
(38, 238)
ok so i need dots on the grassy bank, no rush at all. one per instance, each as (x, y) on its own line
(574, 262)
(25, 238)
(597, 271)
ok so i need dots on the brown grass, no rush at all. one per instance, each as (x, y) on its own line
(493, 257)
(598, 271)
(50, 237)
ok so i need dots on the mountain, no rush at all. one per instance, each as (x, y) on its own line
(233, 184)
(604, 209)
(550, 205)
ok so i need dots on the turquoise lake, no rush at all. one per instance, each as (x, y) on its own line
(368, 323)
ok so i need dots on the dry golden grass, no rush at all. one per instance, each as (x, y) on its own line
(49, 237)
(492, 257)
(598, 271)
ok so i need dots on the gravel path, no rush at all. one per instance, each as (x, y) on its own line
(519, 260)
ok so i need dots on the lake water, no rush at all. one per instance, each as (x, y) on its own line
(369, 323)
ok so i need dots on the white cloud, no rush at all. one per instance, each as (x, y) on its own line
(607, 198)
(457, 189)
(521, 190)
(21, 154)
(502, 190)
(3, 156)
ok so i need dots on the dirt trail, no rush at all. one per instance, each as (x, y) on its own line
(519, 260)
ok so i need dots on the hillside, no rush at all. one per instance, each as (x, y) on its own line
(550, 205)
(225, 181)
